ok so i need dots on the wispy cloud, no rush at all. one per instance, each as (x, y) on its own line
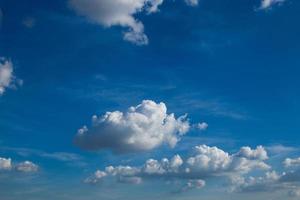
(59, 156)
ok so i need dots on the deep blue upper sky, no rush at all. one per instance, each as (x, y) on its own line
(224, 62)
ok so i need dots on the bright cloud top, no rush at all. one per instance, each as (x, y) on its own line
(143, 127)
(207, 162)
(7, 78)
(265, 4)
(26, 166)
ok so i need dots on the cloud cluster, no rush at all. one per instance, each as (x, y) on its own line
(7, 78)
(143, 127)
(26, 166)
(206, 162)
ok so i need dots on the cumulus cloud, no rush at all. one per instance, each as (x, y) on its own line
(26, 166)
(266, 4)
(206, 162)
(143, 127)
(7, 78)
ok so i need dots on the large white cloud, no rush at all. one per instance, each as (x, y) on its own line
(143, 127)
(206, 162)
(7, 78)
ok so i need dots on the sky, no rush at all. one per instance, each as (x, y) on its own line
(149, 99)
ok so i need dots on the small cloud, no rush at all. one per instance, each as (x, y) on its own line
(191, 2)
(202, 126)
(267, 4)
(26, 166)
(29, 22)
(7, 78)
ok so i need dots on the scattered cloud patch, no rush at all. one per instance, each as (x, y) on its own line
(29, 22)
(191, 2)
(289, 162)
(26, 166)
(143, 127)
(202, 126)
(7, 78)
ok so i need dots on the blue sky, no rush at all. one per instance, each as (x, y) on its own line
(230, 65)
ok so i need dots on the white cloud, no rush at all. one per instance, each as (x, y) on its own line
(26, 166)
(5, 164)
(191, 2)
(143, 127)
(118, 13)
(7, 78)
(266, 4)
(258, 153)
(207, 162)
(202, 126)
